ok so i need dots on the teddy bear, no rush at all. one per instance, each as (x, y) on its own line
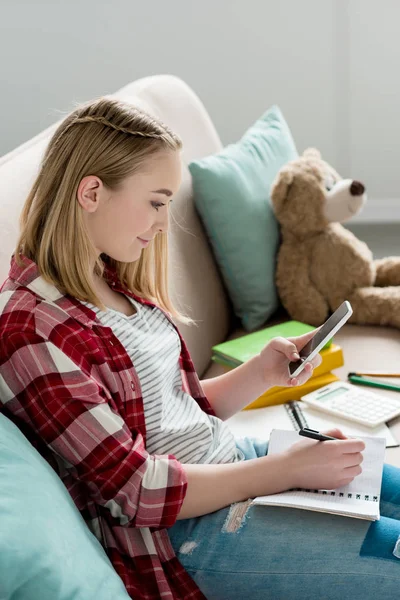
(320, 263)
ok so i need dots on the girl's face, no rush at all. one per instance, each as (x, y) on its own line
(121, 223)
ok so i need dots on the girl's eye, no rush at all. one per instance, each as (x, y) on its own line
(157, 205)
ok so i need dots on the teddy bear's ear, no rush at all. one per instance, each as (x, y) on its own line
(312, 153)
(279, 188)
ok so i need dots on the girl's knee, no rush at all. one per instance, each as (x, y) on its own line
(390, 490)
(383, 540)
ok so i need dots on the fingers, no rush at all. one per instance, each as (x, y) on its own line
(348, 479)
(286, 347)
(303, 376)
(352, 460)
(352, 471)
(306, 373)
(352, 445)
(316, 361)
(290, 348)
(313, 364)
(352, 465)
(336, 433)
(351, 451)
(345, 445)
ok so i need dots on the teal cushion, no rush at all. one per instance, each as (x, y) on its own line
(232, 195)
(47, 551)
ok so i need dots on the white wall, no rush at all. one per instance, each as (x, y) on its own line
(331, 65)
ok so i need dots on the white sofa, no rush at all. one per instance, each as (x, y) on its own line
(196, 282)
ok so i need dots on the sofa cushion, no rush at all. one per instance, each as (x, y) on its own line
(46, 549)
(232, 195)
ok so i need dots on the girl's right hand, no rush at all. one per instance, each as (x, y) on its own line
(325, 465)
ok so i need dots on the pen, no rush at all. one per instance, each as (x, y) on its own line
(378, 384)
(315, 435)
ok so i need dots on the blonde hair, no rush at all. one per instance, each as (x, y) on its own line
(110, 139)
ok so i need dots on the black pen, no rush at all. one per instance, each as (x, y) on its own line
(315, 435)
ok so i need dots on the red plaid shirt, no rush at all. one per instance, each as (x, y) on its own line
(70, 386)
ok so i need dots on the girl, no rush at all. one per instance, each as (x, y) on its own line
(94, 366)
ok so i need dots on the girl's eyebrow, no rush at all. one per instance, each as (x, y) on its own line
(162, 191)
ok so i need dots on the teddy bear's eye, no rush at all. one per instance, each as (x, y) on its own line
(329, 183)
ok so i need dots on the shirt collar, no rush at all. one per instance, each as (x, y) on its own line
(28, 275)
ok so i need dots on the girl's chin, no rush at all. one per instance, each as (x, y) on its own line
(127, 257)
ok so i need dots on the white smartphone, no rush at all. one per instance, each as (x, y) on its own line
(321, 337)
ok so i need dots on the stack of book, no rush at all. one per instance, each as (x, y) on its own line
(235, 352)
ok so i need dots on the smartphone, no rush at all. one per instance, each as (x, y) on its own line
(321, 337)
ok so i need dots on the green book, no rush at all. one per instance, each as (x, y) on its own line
(238, 351)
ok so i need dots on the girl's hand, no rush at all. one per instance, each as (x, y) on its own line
(275, 357)
(324, 465)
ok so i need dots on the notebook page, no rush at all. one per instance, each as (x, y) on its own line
(259, 422)
(362, 492)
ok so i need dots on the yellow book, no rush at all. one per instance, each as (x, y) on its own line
(280, 395)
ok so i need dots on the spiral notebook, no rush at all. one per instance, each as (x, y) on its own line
(359, 499)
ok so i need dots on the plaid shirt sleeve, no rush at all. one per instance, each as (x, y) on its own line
(69, 410)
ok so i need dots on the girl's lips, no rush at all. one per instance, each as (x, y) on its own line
(144, 242)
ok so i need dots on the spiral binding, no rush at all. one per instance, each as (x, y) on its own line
(295, 415)
(369, 497)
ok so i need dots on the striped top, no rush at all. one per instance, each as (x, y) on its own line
(175, 424)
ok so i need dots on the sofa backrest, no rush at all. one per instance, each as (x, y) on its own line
(196, 286)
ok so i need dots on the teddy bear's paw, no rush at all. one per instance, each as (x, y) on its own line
(376, 306)
(387, 271)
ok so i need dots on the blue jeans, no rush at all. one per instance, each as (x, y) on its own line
(281, 553)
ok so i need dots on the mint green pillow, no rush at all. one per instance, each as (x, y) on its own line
(232, 196)
(47, 551)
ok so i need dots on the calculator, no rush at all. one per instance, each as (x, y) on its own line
(350, 402)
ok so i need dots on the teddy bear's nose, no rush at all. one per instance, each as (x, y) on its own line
(357, 188)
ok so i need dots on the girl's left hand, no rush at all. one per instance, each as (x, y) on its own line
(275, 358)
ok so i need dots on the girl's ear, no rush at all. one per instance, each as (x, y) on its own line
(280, 188)
(88, 192)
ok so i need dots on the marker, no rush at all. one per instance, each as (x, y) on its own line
(315, 435)
(378, 384)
